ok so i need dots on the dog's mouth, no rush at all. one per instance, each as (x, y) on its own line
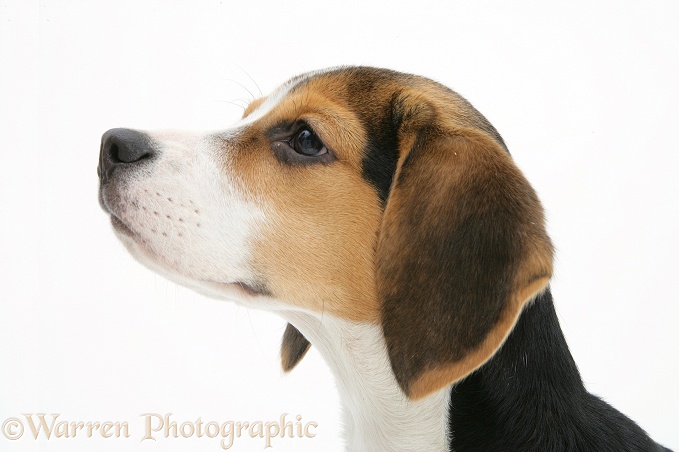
(120, 226)
(252, 290)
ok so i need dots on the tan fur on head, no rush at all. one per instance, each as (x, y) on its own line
(316, 252)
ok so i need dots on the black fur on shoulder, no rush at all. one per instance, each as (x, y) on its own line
(530, 397)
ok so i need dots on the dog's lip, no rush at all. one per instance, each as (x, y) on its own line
(120, 226)
(245, 288)
(250, 290)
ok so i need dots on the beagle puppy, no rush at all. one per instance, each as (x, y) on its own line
(382, 216)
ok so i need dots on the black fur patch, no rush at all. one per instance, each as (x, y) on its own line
(381, 152)
(379, 163)
(530, 397)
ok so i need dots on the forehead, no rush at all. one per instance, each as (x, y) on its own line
(367, 94)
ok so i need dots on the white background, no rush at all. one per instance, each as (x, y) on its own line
(586, 95)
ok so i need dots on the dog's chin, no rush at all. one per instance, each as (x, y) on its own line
(232, 291)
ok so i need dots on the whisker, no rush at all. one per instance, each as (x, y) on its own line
(233, 102)
(252, 79)
(242, 86)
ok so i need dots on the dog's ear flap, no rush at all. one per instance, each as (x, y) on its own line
(461, 250)
(293, 348)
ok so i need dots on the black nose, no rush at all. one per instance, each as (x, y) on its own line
(122, 148)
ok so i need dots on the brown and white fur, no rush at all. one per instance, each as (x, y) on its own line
(378, 213)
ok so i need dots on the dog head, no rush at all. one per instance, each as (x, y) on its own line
(361, 193)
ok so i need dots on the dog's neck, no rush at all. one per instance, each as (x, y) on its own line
(377, 415)
(499, 400)
(530, 393)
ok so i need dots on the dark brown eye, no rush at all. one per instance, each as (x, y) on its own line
(297, 144)
(307, 143)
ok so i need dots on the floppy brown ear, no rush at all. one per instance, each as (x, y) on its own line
(293, 348)
(461, 250)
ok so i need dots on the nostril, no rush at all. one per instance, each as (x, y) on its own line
(122, 148)
(127, 154)
(113, 153)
